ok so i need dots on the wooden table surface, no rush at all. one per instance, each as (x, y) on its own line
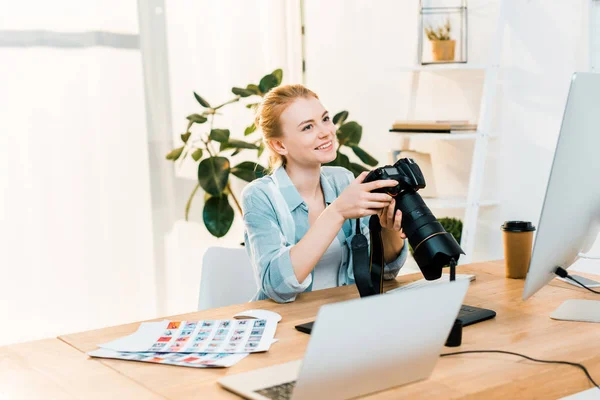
(523, 327)
(51, 369)
(57, 369)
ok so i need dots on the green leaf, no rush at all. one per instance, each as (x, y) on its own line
(253, 106)
(364, 156)
(344, 160)
(341, 160)
(197, 118)
(196, 155)
(278, 73)
(340, 117)
(213, 174)
(175, 153)
(357, 169)
(254, 89)
(240, 144)
(236, 152)
(185, 136)
(261, 148)
(267, 83)
(218, 215)
(249, 130)
(219, 135)
(350, 133)
(249, 171)
(242, 92)
(200, 100)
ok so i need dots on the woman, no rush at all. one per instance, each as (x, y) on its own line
(299, 221)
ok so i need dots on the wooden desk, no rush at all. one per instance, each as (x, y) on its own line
(523, 327)
(51, 369)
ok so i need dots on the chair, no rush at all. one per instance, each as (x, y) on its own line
(227, 278)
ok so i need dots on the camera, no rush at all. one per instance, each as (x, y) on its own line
(433, 247)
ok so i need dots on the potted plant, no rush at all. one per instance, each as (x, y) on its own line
(453, 226)
(442, 46)
(213, 149)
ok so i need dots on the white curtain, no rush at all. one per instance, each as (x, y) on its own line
(89, 235)
(75, 212)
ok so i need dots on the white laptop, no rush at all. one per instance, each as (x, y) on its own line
(363, 346)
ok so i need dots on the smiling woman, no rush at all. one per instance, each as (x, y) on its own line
(280, 111)
(297, 220)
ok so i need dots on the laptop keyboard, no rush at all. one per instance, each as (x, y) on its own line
(278, 392)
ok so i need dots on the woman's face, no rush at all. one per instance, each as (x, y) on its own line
(308, 133)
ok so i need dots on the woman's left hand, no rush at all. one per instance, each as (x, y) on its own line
(390, 221)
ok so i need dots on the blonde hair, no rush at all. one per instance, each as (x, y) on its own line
(269, 112)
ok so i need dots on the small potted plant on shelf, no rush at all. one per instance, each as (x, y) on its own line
(442, 46)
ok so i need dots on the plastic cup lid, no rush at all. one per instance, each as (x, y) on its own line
(518, 226)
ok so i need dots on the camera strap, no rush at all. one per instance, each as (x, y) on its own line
(368, 270)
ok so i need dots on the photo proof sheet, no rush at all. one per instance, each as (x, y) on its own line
(208, 336)
(195, 360)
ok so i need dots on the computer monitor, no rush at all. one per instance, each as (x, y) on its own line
(570, 217)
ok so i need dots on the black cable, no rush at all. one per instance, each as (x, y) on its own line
(529, 358)
(579, 283)
(564, 274)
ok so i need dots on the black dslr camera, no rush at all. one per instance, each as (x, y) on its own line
(433, 247)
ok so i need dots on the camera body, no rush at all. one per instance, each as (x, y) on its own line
(433, 247)
(405, 171)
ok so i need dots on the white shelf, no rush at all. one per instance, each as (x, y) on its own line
(442, 67)
(454, 202)
(455, 135)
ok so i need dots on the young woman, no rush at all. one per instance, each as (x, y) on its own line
(300, 220)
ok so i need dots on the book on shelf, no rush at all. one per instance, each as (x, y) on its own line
(439, 126)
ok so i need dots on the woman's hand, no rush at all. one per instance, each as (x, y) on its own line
(357, 201)
(390, 221)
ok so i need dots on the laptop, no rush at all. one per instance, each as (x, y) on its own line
(362, 346)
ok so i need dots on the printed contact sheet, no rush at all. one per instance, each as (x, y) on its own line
(206, 336)
(194, 360)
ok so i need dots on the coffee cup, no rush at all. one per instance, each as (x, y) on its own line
(518, 240)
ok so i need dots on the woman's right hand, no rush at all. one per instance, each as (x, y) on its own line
(357, 201)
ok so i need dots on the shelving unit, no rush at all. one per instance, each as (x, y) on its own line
(462, 135)
(472, 202)
(449, 203)
(442, 67)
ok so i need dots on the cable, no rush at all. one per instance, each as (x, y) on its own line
(564, 274)
(529, 358)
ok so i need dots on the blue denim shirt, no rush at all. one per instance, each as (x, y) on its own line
(276, 218)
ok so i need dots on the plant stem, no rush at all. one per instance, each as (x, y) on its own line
(237, 98)
(183, 155)
(189, 202)
(234, 199)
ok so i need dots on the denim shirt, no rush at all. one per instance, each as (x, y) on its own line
(276, 218)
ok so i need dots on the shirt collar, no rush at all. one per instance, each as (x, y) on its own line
(290, 193)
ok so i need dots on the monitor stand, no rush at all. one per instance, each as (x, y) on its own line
(579, 309)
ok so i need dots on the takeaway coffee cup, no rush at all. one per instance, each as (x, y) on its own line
(518, 239)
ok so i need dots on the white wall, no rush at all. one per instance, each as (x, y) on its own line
(353, 48)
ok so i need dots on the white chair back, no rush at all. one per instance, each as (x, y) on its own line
(227, 278)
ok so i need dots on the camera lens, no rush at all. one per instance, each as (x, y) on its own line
(433, 247)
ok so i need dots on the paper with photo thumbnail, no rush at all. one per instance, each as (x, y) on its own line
(195, 360)
(206, 336)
